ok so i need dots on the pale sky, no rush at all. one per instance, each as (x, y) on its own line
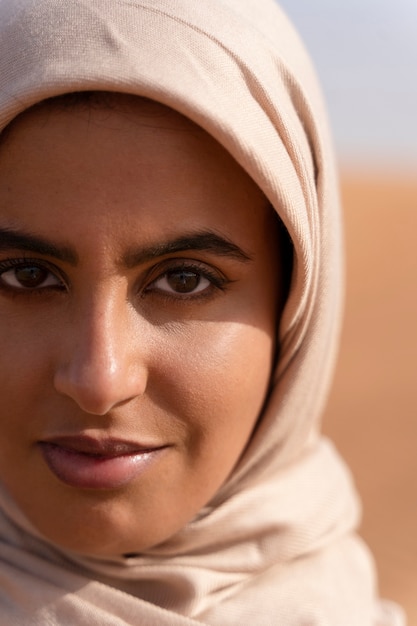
(365, 52)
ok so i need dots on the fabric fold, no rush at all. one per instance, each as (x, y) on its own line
(277, 543)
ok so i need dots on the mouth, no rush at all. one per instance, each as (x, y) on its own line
(89, 463)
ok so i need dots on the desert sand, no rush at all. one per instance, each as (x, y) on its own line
(372, 411)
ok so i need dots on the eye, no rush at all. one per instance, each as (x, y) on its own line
(27, 275)
(185, 278)
(182, 281)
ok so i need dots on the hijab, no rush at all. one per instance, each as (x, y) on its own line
(277, 543)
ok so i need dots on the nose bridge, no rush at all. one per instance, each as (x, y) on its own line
(100, 368)
(103, 341)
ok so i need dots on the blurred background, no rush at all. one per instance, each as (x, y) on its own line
(365, 52)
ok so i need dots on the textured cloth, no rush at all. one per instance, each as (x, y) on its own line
(276, 546)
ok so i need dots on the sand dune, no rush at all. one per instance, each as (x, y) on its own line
(372, 413)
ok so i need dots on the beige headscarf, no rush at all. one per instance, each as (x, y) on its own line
(276, 544)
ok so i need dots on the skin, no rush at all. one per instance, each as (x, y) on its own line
(104, 342)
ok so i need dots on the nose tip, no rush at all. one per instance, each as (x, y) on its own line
(98, 388)
(101, 370)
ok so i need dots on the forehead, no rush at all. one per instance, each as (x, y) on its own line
(100, 106)
(125, 159)
(120, 119)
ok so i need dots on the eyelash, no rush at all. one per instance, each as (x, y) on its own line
(216, 280)
(10, 264)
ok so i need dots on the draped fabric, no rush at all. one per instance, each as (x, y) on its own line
(277, 543)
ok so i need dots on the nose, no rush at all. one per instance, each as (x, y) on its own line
(100, 365)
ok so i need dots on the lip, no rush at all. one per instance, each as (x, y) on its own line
(89, 463)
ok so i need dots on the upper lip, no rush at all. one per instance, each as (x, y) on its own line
(107, 446)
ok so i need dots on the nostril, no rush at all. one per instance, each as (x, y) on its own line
(98, 388)
(104, 365)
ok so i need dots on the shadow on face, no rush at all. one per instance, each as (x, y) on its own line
(141, 285)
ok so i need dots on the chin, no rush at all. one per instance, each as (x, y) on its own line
(106, 532)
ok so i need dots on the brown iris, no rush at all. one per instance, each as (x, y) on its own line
(31, 276)
(183, 281)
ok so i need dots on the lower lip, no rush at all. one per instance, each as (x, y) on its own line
(86, 471)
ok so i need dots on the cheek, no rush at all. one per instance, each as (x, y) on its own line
(25, 358)
(214, 381)
(29, 343)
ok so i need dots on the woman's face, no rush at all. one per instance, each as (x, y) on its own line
(139, 297)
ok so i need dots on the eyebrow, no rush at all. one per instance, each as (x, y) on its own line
(10, 238)
(206, 241)
(203, 240)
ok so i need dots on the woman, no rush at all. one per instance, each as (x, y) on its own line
(169, 301)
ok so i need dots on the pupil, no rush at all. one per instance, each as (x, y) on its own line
(183, 281)
(31, 276)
